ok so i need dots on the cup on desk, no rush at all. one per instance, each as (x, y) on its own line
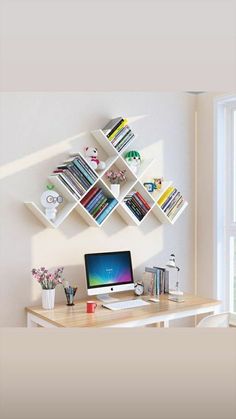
(91, 306)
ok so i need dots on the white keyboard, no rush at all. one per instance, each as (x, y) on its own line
(122, 305)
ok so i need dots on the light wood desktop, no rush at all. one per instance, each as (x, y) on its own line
(163, 311)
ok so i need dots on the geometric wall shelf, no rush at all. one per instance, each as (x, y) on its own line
(114, 160)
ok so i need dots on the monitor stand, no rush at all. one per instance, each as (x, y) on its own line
(105, 298)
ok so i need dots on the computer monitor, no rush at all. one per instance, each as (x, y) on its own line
(108, 272)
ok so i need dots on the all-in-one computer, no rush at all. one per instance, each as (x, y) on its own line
(108, 273)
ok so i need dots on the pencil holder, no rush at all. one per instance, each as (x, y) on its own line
(70, 294)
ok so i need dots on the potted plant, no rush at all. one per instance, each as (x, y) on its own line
(48, 281)
(116, 178)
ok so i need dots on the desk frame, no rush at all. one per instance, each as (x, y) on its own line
(34, 321)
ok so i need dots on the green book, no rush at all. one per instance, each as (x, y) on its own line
(104, 199)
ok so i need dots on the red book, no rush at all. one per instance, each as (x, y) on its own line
(89, 196)
(143, 200)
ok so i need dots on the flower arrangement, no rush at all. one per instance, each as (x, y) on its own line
(116, 178)
(48, 280)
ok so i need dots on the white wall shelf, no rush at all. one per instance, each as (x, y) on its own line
(114, 160)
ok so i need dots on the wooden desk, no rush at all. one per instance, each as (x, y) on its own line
(76, 316)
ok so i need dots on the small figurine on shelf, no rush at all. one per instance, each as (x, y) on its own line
(116, 178)
(133, 159)
(156, 184)
(91, 156)
(50, 200)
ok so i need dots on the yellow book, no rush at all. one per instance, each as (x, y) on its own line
(165, 195)
(122, 125)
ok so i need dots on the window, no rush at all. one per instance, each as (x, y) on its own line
(226, 202)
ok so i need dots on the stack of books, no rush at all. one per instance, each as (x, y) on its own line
(171, 202)
(157, 282)
(119, 133)
(137, 204)
(76, 175)
(98, 204)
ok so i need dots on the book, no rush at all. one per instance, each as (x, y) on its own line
(71, 188)
(100, 210)
(152, 284)
(167, 201)
(89, 196)
(119, 148)
(174, 214)
(67, 185)
(94, 201)
(172, 203)
(112, 125)
(122, 125)
(135, 208)
(142, 209)
(87, 167)
(125, 131)
(101, 202)
(143, 200)
(165, 195)
(140, 203)
(82, 169)
(106, 211)
(133, 211)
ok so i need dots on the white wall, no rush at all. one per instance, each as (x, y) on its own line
(34, 132)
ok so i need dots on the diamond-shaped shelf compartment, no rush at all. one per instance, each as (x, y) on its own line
(114, 160)
(64, 209)
(158, 211)
(84, 212)
(104, 142)
(120, 164)
(126, 213)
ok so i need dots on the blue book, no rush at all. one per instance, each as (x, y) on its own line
(81, 168)
(106, 211)
(94, 201)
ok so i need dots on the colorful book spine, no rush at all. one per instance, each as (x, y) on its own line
(108, 209)
(172, 203)
(125, 131)
(127, 141)
(82, 169)
(89, 196)
(94, 201)
(109, 132)
(68, 186)
(87, 167)
(122, 125)
(103, 207)
(101, 202)
(137, 199)
(134, 211)
(165, 195)
(167, 201)
(143, 200)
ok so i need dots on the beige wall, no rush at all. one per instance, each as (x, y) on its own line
(34, 138)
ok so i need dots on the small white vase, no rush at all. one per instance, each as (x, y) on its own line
(48, 299)
(115, 188)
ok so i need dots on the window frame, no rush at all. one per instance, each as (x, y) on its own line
(224, 198)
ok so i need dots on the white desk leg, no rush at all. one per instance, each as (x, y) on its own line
(166, 323)
(30, 322)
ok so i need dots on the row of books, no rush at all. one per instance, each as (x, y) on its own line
(137, 204)
(118, 132)
(157, 281)
(76, 175)
(98, 204)
(171, 202)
